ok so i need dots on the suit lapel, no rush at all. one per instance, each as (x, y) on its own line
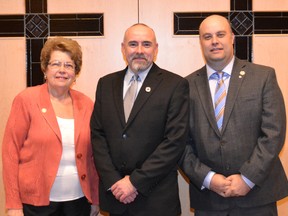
(118, 94)
(47, 111)
(153, 79)
(236, 80)
(79, 112)
(203, 90)
(202, 85)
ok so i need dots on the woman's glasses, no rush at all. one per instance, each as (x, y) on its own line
(56, 65)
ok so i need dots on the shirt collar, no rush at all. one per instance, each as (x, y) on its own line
(227, 69)
(142, 75)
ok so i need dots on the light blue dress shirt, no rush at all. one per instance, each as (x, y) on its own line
(212, 85)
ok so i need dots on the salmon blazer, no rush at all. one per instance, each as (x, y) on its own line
(32, 148)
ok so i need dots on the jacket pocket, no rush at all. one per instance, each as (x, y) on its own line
(29, 177)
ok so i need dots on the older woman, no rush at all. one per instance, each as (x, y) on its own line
(48, 167)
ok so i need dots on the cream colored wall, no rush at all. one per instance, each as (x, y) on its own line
(12, 7)
(102, 55)
(270, 5)
(180, 54)
(13, 80)
(12, 73)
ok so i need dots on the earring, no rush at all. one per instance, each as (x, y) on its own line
(45, 76)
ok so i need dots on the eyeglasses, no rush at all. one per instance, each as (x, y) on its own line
(56, 65)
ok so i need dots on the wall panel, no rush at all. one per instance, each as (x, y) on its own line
(13, 80)
(101, 55)
(270, 5)
(12, 7)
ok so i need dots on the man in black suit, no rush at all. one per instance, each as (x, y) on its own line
(234, 166)
(137, 158)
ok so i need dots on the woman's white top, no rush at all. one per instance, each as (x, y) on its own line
(66, 186)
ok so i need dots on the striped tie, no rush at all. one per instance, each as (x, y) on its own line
(220, 97)
(130, 96)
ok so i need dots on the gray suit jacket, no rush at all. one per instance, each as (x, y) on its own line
(253, 134)
(147, 147)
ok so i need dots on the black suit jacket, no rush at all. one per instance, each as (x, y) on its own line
(147, 147)
(253, 134)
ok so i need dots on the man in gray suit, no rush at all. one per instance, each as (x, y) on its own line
(136, 155)
(233, 162)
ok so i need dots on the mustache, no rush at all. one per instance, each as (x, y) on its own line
(137, 56)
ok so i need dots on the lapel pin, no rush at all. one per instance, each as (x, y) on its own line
(43, 110)
(242, 73)
(147, 89)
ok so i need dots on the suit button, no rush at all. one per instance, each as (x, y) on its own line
(123, 165)
(83, 177)
(124, 136)
(79, 155)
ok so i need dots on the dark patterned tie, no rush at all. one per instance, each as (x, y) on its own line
(130, 96)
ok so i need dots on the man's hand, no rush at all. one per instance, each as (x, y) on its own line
(130, 198)
(124, 191)
(238, 186)
(220, 184)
